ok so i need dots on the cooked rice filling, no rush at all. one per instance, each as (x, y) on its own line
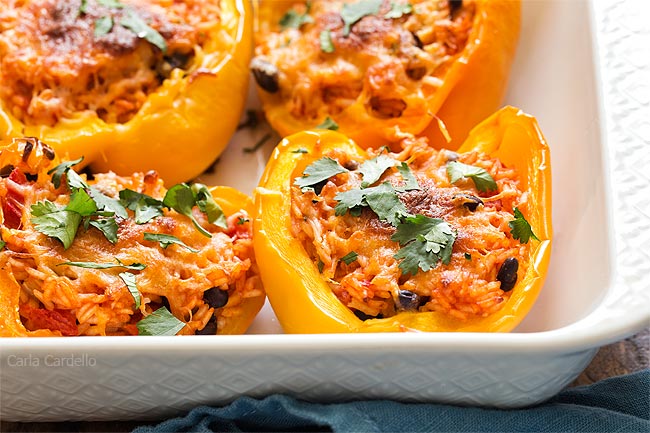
(388, 63)
(373, 285)
(55, 61)
(204, 288)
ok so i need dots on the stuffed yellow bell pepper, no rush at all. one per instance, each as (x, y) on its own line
(130, 85)
(120, 255)
(378, 70)
(349, 240)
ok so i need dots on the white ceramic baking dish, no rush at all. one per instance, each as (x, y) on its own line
(582, 70)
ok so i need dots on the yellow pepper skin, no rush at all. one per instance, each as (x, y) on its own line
(182, 127)
(471, 89)
(303, 301)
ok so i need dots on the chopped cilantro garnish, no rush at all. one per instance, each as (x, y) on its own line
(300, 150)
(382, 199)
(320, 266)
(373, 169)
(108, 226)
(81, 203)
(350, 257)
(424, 241)
(129, 280)
(182, 199)
(145, 207)
(482, 179)
(137, 25)
(103, 26)
(208, 206)
(468, 256)
(113, 4)
(410, 182)
(61, 169)
(83, 7)
(167, 240)
(295, 20)
(241, 221)
(107, 204)
(326, 43)
(2, 243)
(520, 228)
(319, 171)
(398, 10)
(160, 322)
(353, 12)
(328, 123)
(55, 222)
(93, 265)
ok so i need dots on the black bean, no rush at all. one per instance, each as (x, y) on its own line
(27, 150)
(210, 328)
(363, 316)
(417, 41)
(469, 201)
(47, 151)
(6, 170)
(215, 297)
(454, 5)
(508, 274)
(266, 74)
(408, 301)
(416, 73)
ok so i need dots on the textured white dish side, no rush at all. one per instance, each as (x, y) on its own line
(582, 70)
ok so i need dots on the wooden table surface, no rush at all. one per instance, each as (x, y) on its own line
(623, 357)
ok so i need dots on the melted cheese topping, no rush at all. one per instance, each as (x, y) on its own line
(76, 301)
(373, 285)
(391, 64)
(53, 65)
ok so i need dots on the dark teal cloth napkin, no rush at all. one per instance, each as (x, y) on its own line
(619, 404)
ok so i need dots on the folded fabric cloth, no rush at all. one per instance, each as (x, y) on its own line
(619, 404)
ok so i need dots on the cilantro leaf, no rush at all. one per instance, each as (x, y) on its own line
(160, 322)
(108, 226)
(129, 280)
(373, 169)
(181, 198)
(138, 26)
(167, 240)
(107, 203)
(326, 43)
(241, 221)
(482, 179)
(43, 208)
(328, 123)
(112, 4)
(300, 150)
(83, 7)
(411, 183)
(57, 223)
(103, 26)
(208, 206)
(58, 171)
(353, 12)
(319, 171)
(424, 241)
(81, 203)
(350, 199)
(397, 10)
(350, 257)
(320, 266)
(383, 200)
(520, 228)
(294, 20)
(93, 265)
(2, 243)
(145, 207)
